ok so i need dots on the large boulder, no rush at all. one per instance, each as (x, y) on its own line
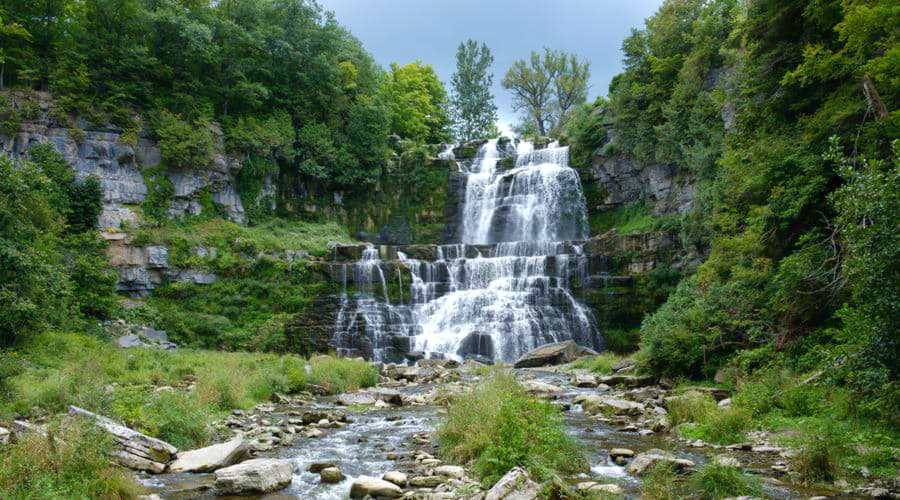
(645, 461)
(553, 354)
(212, 457)
(515, 485)
(260, 475)
(594, 405)
(366, 485)
(356, 398)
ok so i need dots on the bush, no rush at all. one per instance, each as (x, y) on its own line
(818, 457)
(183, 144)
(338, 375)
(71, 462)
(662, 483)
(602, 363)
(500, 427)
(714, 481)
(700, 418)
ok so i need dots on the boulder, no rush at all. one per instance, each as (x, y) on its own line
(136, 451)
(128, 341)
(319, 466)
(536, 387)
(4, 435)
(395, 477)
(553, 354)
(427, 481)
(726, 461)
(331, 475)
(625, 364)
(389, 396)
(451, 471)
(594, 405)
(643, 462)
(356, 398)
(372, 486)
(515, 485)
(260, 475)
(620, 453)
(212, 457)
(628, 380)
(595, 487)
(583, 380)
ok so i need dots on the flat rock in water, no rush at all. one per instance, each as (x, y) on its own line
(583, 380)
(515, 485)
(395, 477)
(366, 485)
(389, 396)
(451, 471)
(356, 398)
(594, 405)
(643, 462)
(212, 457)
(553, 354)
(260, 475)
(537, 387)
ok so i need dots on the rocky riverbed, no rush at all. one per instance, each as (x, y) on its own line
(380, 441)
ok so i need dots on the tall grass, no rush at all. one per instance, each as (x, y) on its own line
(714, 481)
(700, 418)
(54, 370)
(602, 363)
(498, 426)
(71, 462)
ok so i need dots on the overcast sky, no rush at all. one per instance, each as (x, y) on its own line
(430, 30)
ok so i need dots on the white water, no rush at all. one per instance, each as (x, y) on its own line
(504, 290)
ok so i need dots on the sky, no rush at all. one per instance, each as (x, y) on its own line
(430, 30)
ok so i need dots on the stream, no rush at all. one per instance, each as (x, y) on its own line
(378, 440)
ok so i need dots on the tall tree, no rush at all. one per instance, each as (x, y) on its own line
(570, 83)
(532, 86)
(472, 104)
(417, 103)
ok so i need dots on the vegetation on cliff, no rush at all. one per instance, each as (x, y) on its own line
(773, 107)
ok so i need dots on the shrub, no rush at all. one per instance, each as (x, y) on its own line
(706, 421)
(690, 407)
(818, 457)
(183, 144)
(71, 462)
(338, 375)
(178, 418)
(714, 481)
(662, 483)
(601, 363)
(500, 427)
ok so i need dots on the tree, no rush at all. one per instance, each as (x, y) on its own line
(570, 84)
(532, 86)
(417, 103)
(10, 32)
(472, 104)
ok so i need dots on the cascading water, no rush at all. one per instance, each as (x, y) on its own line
(503, 290)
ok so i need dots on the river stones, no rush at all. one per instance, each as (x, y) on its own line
(583, 380)
(395, 477)
(331, 475)
(356, 398)
(451, 471)
(537, 387)
(260, 475)
(389, 396)
(595, 487)
(726, 461)
(4, 435)
(643, 462)
(427, 481)
(212, 457)
(515, 485)
(367, 485)
(594, 405)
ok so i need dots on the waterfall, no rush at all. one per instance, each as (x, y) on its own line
(502, 291)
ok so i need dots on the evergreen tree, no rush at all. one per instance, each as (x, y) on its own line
(472, 104)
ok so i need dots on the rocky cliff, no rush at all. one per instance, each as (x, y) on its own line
(121, 163)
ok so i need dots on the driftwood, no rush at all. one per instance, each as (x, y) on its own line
(137, 451)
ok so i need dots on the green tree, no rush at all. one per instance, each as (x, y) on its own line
(12, 36)
(570, 84)
(417, 102)
(472, 104)
(531, 83)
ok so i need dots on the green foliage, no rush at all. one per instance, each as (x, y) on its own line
(72, 461)
(86, 203)
(546, 88)
(699, 418)
(417, 103)
(182, 143)
(160, 191)
(501, 427)
(625, 220)
(714, 481)
(337, 375)
(819, 456)
(602, 363)
(472, 104)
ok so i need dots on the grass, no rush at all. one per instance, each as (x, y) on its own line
(497, 426)
(277, 234)
(602, 363)
(714, 481)
(71, 462)
(54, 370)
(625, 220)
(709, 482)
(698, 417)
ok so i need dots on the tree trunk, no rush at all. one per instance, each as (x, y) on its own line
(874, 98)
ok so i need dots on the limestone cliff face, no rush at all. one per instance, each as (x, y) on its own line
(119, 166)
(623, 181)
